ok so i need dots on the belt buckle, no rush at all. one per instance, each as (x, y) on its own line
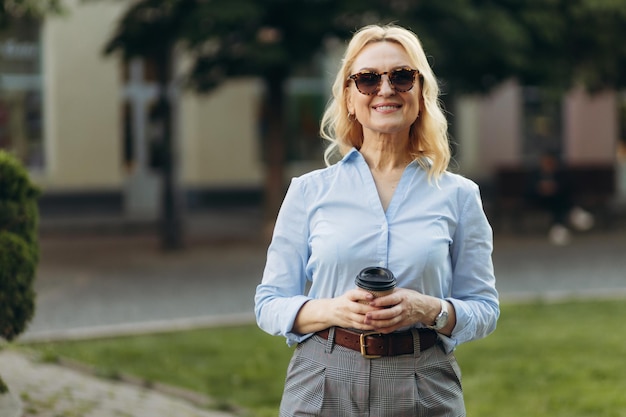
(364, 346)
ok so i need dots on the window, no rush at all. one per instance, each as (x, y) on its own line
(541, 124)
(21, 114)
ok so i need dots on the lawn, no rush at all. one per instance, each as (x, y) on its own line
(562, 359)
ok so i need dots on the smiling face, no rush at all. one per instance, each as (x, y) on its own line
(388, 112)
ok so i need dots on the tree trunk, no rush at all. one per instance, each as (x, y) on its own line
(171, 209)
(275, 149)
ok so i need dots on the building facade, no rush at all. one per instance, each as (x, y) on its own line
(81, 121)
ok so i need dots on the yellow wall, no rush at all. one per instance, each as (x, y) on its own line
(217, 137)
(81, 100)
(220, 142)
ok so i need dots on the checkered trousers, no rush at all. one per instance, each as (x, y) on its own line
(324, 379)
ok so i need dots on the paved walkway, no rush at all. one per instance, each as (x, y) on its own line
(49, 390)
(106, 284)
(99, 285)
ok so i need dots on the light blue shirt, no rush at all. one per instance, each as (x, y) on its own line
(434, 237)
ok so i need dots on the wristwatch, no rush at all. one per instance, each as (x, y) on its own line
(442, 318)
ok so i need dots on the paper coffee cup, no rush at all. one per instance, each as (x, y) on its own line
(378, 281)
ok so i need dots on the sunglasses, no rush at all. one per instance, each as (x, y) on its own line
(368, 82)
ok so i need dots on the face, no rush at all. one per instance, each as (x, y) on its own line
(387, 111)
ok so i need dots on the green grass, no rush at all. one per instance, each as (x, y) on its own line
(559, 360)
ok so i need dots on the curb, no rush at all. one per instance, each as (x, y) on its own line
(135, 329)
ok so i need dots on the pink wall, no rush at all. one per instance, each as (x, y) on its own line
(590, 127)
(500, 126)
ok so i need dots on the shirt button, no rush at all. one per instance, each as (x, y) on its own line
(381, 263)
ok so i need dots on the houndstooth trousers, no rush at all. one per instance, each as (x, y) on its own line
(324, 379)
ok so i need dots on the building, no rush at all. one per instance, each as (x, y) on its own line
(81, 122)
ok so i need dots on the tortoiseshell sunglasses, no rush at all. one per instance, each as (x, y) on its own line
(368, 82)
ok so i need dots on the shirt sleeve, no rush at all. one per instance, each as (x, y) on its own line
(473, 293)
(280, 295)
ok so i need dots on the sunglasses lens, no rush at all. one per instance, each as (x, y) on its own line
(402, 80)
(367, 82)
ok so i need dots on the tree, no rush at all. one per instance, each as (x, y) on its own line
(475, 44)
(19, 248)
(556, 43)
(27, 9)
(227, 38)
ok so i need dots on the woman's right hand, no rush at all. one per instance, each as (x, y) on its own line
(348, 310)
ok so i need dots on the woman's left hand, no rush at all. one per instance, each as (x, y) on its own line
(402, 308)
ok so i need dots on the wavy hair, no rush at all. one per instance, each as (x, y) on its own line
(429, 133)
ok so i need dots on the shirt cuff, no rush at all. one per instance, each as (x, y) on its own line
(295, 305)
(462, 331)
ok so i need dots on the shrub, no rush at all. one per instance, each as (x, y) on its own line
(19, 249)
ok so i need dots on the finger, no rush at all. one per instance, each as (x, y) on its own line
(358, 322)
(383, 313)
(360, 295)
(387, 301)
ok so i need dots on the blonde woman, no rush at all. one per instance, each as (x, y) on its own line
(388, 202)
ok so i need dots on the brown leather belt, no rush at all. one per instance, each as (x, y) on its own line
(375, 345)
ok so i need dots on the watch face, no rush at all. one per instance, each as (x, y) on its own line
(442, 320)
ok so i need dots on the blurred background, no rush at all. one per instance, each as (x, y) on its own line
(163, 135)
(160, 125)
(139, 115)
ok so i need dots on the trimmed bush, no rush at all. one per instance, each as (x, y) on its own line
(19, 248)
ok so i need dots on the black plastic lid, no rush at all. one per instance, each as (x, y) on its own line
(375, 278)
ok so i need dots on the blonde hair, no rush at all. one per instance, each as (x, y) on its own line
(429, 133)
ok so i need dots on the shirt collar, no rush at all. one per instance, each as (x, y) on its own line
(354, 153)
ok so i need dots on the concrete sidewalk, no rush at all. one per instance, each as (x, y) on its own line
(50, 390)
(94, 285)
(103, 285)
(91, 286)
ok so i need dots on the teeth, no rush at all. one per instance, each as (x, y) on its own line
(385, 108)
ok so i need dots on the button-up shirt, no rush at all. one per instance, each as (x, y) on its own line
(434, 236)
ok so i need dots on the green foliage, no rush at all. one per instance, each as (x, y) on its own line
(558, 43)
(229, 37)
(15, 184)
(558, 359)
(27, 9)
(3, 387)
(474, 44)
(19, 218)
(19, 250)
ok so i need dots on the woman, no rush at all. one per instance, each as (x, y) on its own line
(389, 202)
